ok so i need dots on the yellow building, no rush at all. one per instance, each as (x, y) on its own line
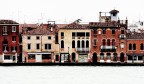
(74, 43)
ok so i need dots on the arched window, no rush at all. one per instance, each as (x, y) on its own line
(62, 44)
(73, 57)
(141, 46)
(87, 44)
(94, 42)
(108, 42)
(134, 46)
(113, 31)
(73, 44)
(114, 56)
(83, 44)
(104, 31)
(113, 42)
(130, 46)
(101, 56)
(78, 44)
(108, 56)
(95, 31)
(122, 31)
(103, 42)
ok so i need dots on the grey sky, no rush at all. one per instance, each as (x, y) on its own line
(66, 11)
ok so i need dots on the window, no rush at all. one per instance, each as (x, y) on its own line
(134, 46)
(108, 42)
(101, 56)
(28, 37)
(73, 34)
(13, 38)
(141, 47)
(81, 34)
(13, 49)
(62, 44)
(83, 44)
(108, 56)
(113, 31)
(37, 37)
(87, 44)
(94, 42)
(38, 46)
(4, 29)
(95, 31)
(130, 46)
(5, 48)
(13, 28)
(62, 33)
(31, 56)
(7, 57)
(49, 37)
(104, 31)
(78, 44)
(140, 58)
(129, 57)
(104, 42)
(87, 34)
(73, 44)
(48, 46)
(122, 31)
(28, 46)
(46, 56)
(113, 42)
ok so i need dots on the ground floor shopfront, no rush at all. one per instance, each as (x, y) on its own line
(72, 57)
(37, 57)
(8, 58)
(135, 58)
(108, 57)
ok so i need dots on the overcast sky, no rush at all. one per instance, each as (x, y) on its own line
(66, 11)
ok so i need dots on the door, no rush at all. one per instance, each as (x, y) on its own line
(38, 58)
(94, 58)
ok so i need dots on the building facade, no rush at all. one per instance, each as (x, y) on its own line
(9, 43)
(135, 47)
(39, 44)
(74, 43)
(108, 42)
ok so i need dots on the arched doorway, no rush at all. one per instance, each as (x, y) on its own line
(114, 57)
(108, 56)
(122, 57)
(94, 57)
(73, 57)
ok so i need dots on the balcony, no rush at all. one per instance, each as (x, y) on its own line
(108, 48)
(83, 50)
(122, 36)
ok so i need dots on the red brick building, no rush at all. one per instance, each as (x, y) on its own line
(9, 43)
(108, 42)
(135, 47)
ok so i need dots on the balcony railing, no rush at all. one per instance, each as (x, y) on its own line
(83, 49)
(122, 36)
(108, 48)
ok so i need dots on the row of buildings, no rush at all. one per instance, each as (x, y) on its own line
(108, 40)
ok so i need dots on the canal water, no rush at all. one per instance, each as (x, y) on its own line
(71, 75)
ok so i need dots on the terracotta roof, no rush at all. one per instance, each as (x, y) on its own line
(75, 25)
(135, 35)
(103, 24)
(22, 26)
(8, 22)
(41, 30)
